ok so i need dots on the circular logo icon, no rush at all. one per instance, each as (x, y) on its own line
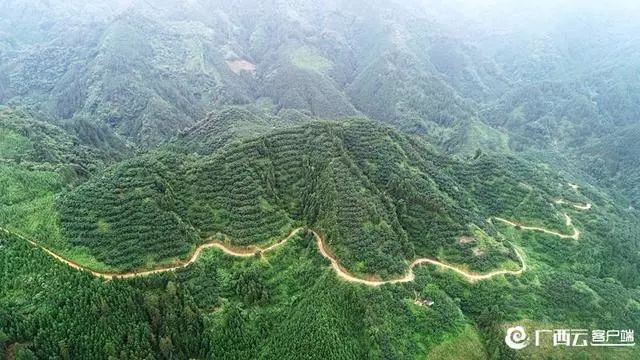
(516, 338)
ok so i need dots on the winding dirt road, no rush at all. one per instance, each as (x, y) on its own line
(410, 276)
(574, 236)
(127, 275)
(586, 206)
(568, 221)
(250, 251)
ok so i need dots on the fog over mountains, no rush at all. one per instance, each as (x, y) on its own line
(556, 76)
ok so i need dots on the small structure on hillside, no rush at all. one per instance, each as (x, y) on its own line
(422, 302)
(425, 302)
(477, 251)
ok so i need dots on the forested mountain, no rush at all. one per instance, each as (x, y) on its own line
(378, 197)
(336, 179)
(149, 73)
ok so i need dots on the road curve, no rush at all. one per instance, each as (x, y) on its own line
(585, 207)
(410, 276)
(574, 236)
(567, 218)
(127, 275)
(341, 272)
(251, 251)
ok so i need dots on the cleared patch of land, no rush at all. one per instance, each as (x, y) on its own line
(240, 65)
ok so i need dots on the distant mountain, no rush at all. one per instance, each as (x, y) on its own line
(151, 70)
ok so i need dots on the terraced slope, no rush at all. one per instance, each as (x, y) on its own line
(378, 198)
(128, 217)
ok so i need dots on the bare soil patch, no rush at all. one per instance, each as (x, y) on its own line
(466, 240)
(239, 65)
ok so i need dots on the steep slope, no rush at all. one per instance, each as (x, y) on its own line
(131, 219)
(305, 89)
(614, 163)
(231, 124)
(586, 124)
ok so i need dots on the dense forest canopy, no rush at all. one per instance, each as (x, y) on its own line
(336, 179)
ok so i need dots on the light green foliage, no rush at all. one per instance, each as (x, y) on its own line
(309, 59)
(20, 184)
(12, 144)
(465, 345)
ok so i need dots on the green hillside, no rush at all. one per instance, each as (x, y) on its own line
(379, 197)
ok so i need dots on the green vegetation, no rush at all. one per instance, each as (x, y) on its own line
(99, 216)
(219, 308)
(115, 320)
(20, 184)
(308, 59)
(13, 144)
(74, 148)
(45, 159)
(465, 345)
(396, 129)
(390, 187)
(379, 198)
(306, 90)
(223, 307)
